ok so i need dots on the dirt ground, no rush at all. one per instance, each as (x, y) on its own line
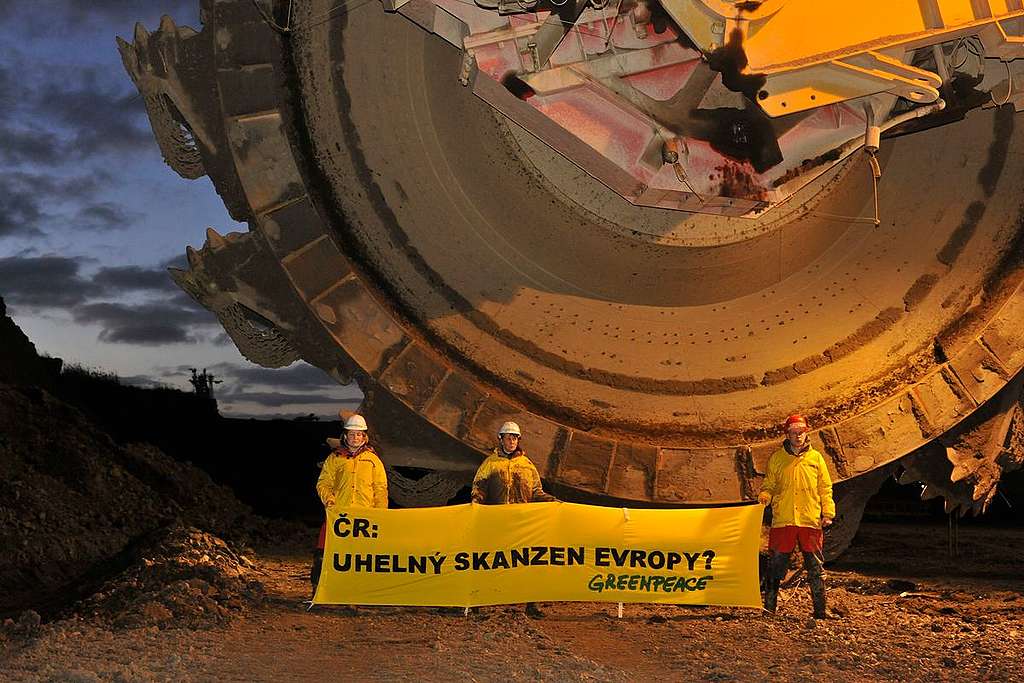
(902, 609)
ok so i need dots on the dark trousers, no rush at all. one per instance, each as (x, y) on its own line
(315, 569)
(813, 563)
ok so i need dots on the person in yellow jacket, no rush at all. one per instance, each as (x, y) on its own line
(508, 476)
(798, 487)
(352, 476)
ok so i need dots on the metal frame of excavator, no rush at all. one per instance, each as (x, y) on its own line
(310, 301)
(619, 114)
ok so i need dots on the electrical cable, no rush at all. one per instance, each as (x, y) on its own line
(609, 31)
(1009, 88)
(269, 20)
(970, 48)
(348, 5)
(876, 173)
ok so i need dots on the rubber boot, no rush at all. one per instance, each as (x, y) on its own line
(816, 580)
(777, 563)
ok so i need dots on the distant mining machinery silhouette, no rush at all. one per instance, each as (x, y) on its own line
(203, 382)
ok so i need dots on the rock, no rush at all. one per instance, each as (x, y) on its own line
(901, 586)
(75, 676)
(182, 576)
(29, 621)
(154, 613)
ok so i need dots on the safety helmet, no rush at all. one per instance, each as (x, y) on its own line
(356, 423)
(795, 421)
(509, 428)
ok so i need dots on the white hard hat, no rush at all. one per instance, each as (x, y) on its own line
(510, 428)
(356, 423)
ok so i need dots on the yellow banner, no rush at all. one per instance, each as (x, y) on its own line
(469, 555)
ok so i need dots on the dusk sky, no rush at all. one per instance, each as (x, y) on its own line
(91, 217)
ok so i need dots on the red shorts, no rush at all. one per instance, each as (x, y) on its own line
(323, 537)
(784, 539)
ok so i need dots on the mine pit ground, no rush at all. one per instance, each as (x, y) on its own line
(901, 609)
(122, 561)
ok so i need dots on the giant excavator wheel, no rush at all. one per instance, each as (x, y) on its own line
(405, 234)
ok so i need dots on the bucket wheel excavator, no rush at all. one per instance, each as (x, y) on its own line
(646, 231)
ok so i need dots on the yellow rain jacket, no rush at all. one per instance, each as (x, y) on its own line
(800, 488)
(353, 480)
(508, 479)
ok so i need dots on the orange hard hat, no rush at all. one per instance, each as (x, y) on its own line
(796, 421)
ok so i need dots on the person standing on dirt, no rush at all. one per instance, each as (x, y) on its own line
(508, 476)
(352, 476)
(799, 489)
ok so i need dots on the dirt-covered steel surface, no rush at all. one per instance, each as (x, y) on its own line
(597, 330)
(400, 235)
(902, 611)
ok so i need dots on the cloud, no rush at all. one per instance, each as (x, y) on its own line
(23, 196)
(135, 278)
(44, 282)
(96, 114)
(58, 282)
(124, 10)
(306, 384)
(76, 157)
(236, 414)
(21, 211)
(71, 17)
(64, 95)
(60, 187)
(102, 216)
(279, 400)
(27, 145)
(296, 377)
(144, 324)
(143, 381)
(60, 113)
(298, 385)
(249, 391)
(11, 90)
(172, 371)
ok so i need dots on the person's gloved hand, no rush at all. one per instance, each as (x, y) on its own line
(764, 498)
(329, 502)
(826, 521)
